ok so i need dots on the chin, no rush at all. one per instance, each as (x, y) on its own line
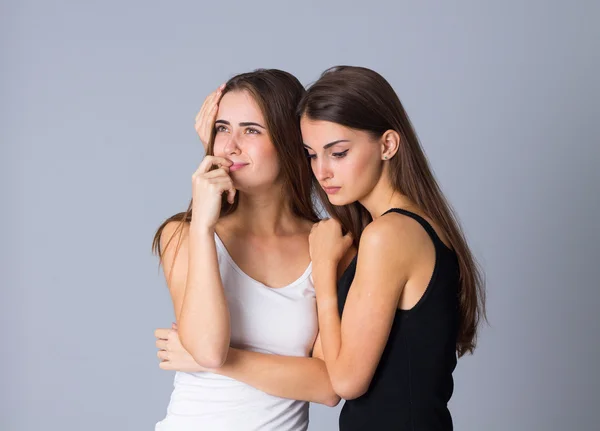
(338, 200)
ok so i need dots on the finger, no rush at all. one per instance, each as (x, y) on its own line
(200, 114)
(162, 333)
(166, 365)
(223, 172)
(207, 102)
(221, 184)
(231, 195)
(216, 95)
(220, 93)
(209, 161)
(162, 355)
(212, 116)
(210, 102)
(348, 238)
(224, 185)
(210, 112)
(161, 344)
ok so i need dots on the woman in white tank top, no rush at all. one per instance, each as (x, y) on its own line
(238, 269)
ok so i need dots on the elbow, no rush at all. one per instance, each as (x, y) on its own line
(212, 360)
(207, 356)
(331, 400)
(349, 389)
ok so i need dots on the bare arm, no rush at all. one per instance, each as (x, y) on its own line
(290, 377)
(353, 345)
(197, 293)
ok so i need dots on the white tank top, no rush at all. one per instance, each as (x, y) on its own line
(281, 321)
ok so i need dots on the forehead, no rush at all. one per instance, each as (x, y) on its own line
(239, 106)
(317, 133)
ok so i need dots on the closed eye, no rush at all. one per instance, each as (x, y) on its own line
(340, 155)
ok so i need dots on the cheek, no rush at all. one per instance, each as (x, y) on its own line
(262, 151)
(356, 168)
(263, 157)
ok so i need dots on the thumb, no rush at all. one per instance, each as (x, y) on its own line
(348, 239)
(231, 195)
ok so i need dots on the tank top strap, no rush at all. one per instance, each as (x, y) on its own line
(424, 223)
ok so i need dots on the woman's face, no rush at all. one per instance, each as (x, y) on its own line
(346, 162)
(242, 137)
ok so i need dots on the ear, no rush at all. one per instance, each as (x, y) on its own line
(390, 142)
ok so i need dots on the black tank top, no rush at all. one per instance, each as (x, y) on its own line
(413, 381)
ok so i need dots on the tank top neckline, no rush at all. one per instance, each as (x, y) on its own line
(223, 249)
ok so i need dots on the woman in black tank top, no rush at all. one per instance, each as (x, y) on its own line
(412, 295)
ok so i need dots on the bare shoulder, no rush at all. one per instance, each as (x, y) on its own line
(173, 235)
(395, 236)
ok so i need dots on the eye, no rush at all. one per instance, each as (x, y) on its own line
(252, 131)
(310, 156)
(340, 155)
(220, 128)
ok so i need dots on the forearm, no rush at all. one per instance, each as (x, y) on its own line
(330, 327)
(204, 325)
(290, 377)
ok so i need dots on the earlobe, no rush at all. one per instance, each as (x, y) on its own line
(390, 144)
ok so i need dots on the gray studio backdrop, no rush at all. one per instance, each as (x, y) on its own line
(97, 147)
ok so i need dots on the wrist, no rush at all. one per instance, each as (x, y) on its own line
(201, 229)
(324, 270)
(327, 302)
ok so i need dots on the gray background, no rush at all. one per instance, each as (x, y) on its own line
(97, 148)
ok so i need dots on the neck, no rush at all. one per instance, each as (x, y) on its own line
(264, 213)
(383, 197)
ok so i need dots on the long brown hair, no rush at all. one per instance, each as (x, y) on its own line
(277, 94)
(361, 99)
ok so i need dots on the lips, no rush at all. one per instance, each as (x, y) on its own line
(237, 166)
(331, 190)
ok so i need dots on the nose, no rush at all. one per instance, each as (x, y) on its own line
(321, 169)
(231, 146)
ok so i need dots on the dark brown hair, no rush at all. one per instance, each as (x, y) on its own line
(361, 99)
(277, 94)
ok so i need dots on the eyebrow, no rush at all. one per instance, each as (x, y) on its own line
(331, 144)
(244, 124)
